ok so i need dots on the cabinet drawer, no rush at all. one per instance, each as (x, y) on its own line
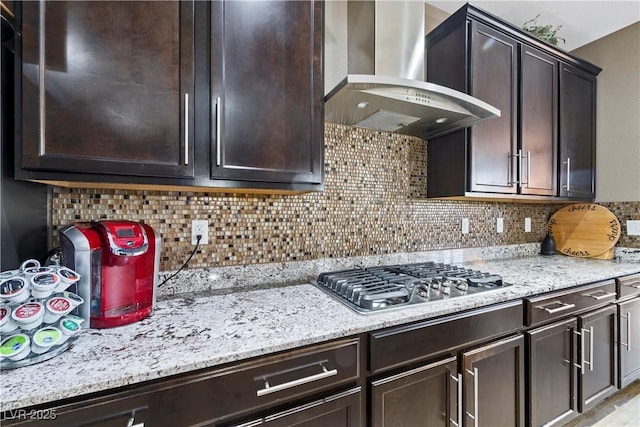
(563, 303)
(405, 344)
(266, 382)
(628, 286)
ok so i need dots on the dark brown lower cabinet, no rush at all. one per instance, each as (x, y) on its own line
(551, 374)
(598, 347)
(571, 366)
(488, 390)
(417, 397)
(629, 341)
(493, 384)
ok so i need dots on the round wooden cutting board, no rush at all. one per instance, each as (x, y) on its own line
(585, 230)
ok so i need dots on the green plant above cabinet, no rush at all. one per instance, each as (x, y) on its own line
(125, 95)
(520, 155)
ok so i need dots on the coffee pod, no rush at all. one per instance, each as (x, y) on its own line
(67, 278)
(28, 315)
(16, 347)
(70, 326)
(7, 324)
(56, 307)
(15, 289)
(43, 284)
(45, 338)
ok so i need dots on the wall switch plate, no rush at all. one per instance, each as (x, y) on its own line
(200, 227)
(500, 225)
(527, 225)
(465, 225)
(633, 228)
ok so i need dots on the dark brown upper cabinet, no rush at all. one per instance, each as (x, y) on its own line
(515, 156)
(577, 133)
(191, 95)
(107, 88)
(266, 91)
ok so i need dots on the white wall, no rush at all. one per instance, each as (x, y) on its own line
(618, 114)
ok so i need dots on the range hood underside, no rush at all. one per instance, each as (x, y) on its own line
(404, 106)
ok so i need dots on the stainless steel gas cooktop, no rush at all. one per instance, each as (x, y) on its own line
(374, 289)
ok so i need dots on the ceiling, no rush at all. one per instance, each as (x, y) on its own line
(582, 21)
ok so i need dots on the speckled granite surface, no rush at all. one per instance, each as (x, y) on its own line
(278, 274)
(191, 333)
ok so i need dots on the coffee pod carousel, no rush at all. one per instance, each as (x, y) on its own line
(37, 320)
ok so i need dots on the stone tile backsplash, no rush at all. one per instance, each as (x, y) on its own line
(374, 203)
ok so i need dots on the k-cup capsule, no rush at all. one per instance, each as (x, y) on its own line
(70, 326)
(15, 289)
(43, 284)
(28, 315)
(7, 324)
(76, 300)
(16, 347)
(67, 278)
(45, 338)
(56, 307)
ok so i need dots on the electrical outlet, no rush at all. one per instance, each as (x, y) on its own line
(633, 228)
(500, 225)
(200, 227)
(465, 225)
(527, 225)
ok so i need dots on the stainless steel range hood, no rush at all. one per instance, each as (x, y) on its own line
(379, 46)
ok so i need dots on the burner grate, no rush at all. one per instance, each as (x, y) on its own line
(376, 288)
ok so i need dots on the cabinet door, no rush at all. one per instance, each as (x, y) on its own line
(551, 374)
(598, 377)
(538, 122)
(493, 79)
(418, 397)
(107, 87)
(267, 101)
(577, 133)
(629, 349)
(494, 384)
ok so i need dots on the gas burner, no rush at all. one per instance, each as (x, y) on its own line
(379, 288)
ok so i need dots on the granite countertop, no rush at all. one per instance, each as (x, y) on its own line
(189, 333)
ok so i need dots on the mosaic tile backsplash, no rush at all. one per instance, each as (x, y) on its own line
(374, 203)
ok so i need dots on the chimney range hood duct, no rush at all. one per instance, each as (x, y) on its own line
(384, 87)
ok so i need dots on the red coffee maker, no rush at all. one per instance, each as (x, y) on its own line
(118, 262)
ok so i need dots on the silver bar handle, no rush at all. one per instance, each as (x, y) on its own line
(568, 163)
(564, 306)
(519, 157)
(218, 132)
(528, 156)
(581, 364)
(322, 375)
(458, 381)
(186, 128)
(474, 417)
(604, 295)
(132, 420)
(628, 343)
(590, 332)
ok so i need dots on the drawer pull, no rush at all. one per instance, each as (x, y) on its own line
(322, 375)
(628, 343)
(633, 285)
(563, 306)
(131, 422)
(603, 295)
